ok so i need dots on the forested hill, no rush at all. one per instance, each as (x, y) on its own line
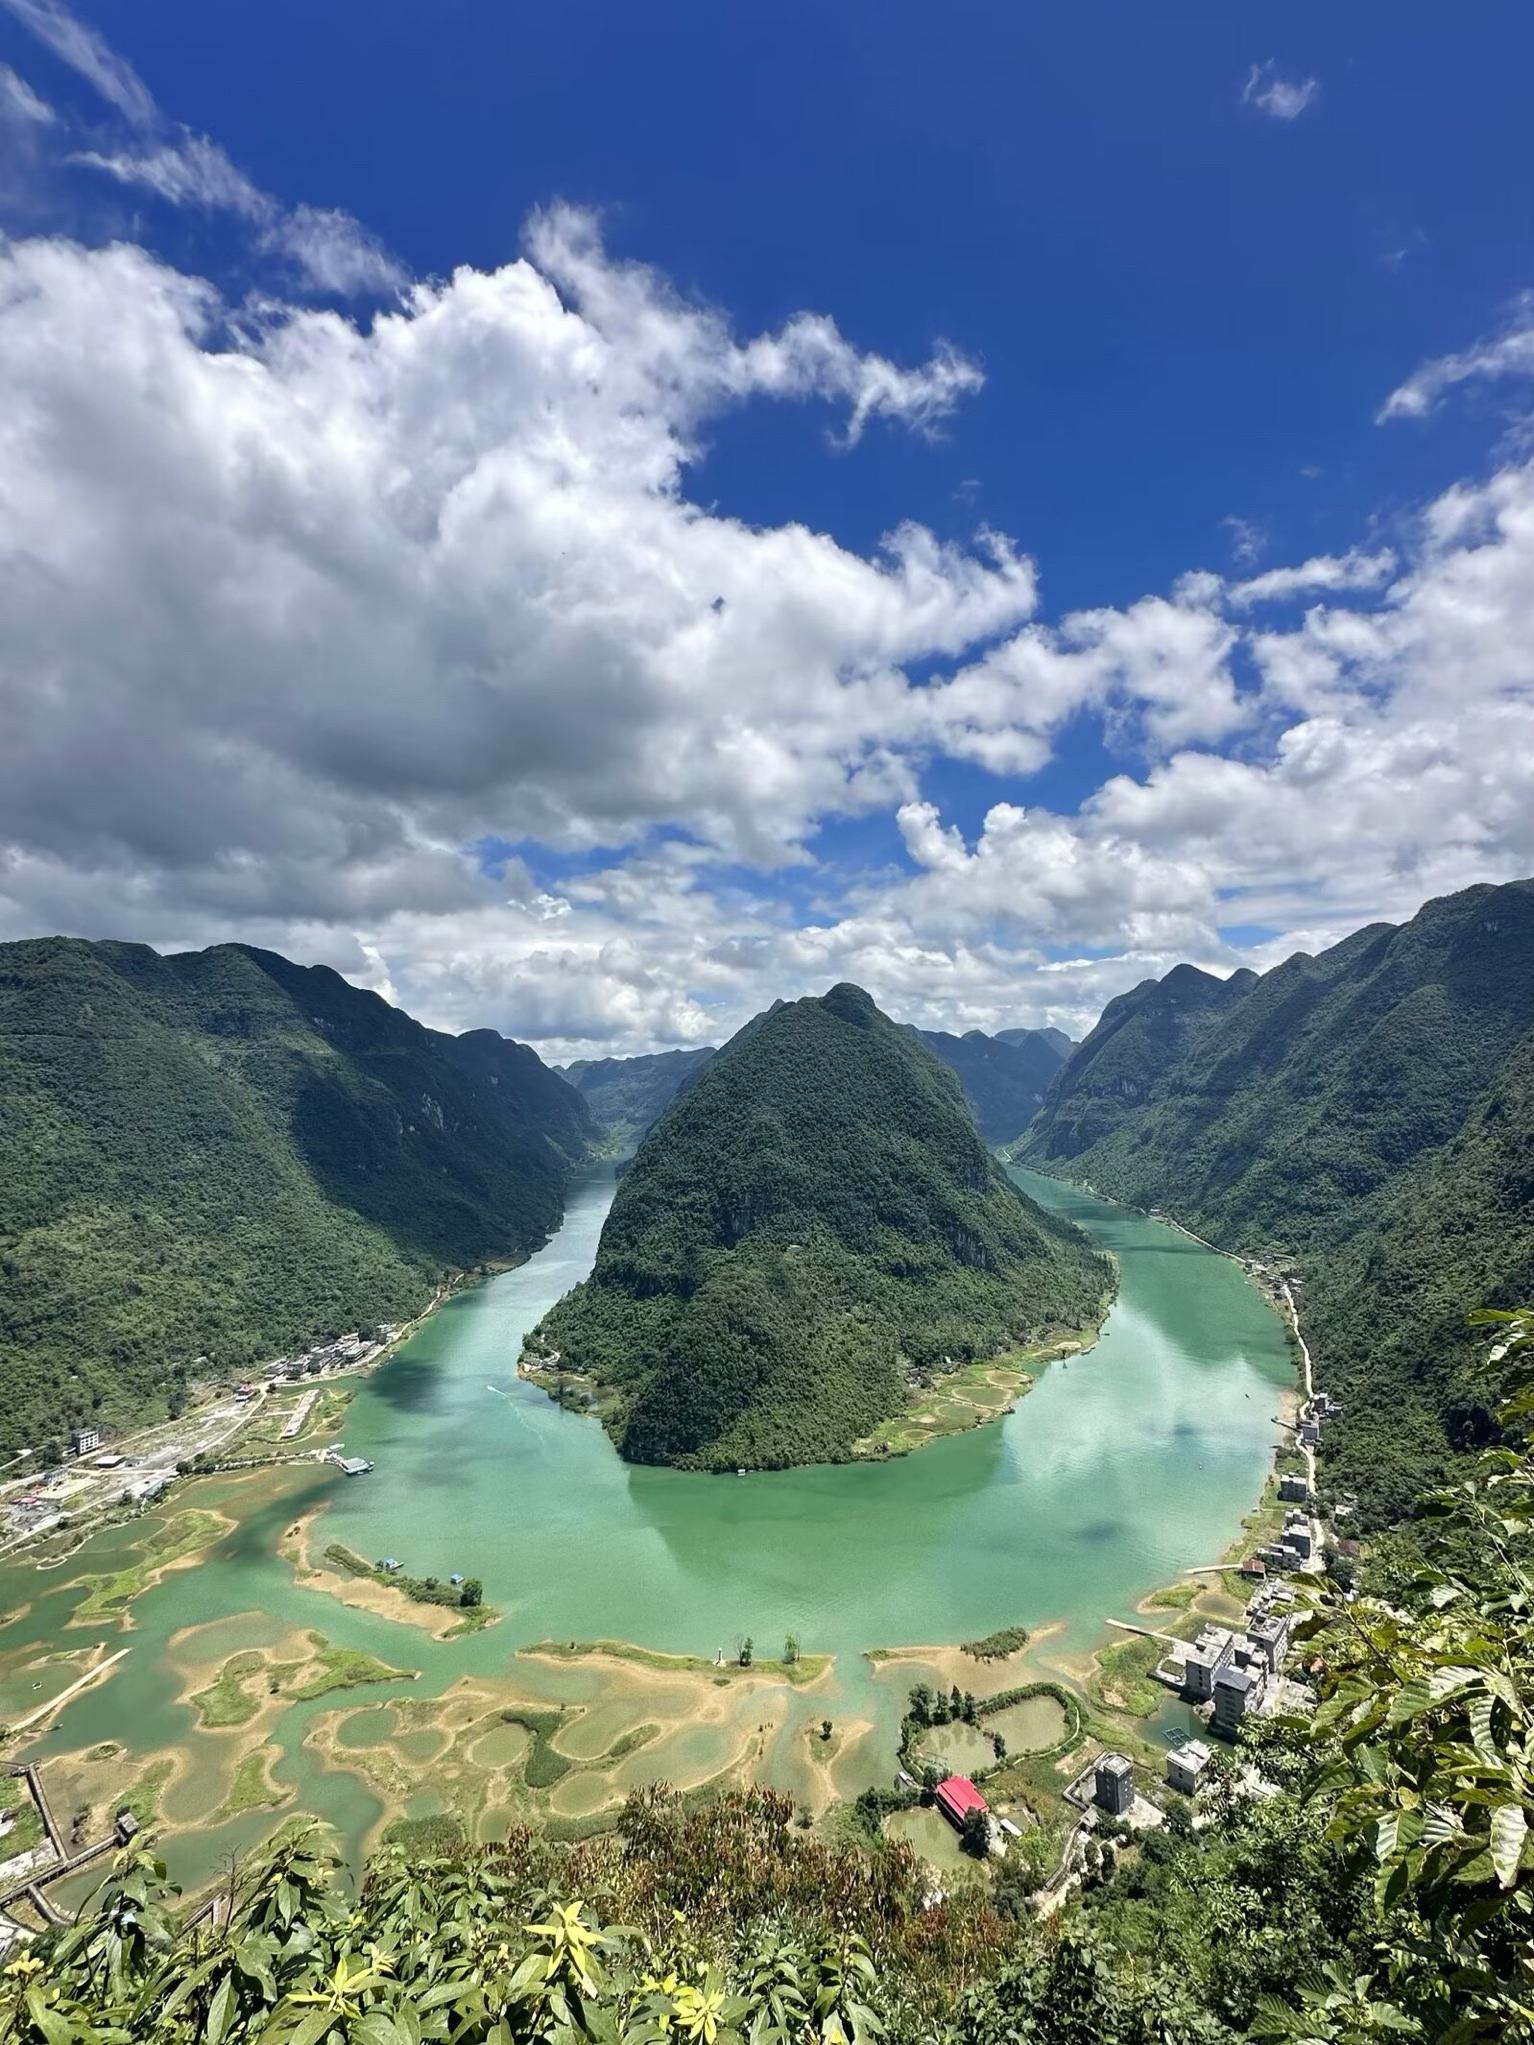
(1369, 1113)
(224, 1155)
(815, 1212)
(1005, 1077)
(626, 1095)
(1139, 1036)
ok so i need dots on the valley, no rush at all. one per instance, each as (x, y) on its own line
(250, 1689)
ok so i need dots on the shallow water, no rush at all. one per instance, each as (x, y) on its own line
(1120, 1469)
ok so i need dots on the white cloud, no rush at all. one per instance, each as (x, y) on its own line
(19, 103)
(408, 586)
(1271, 93)
(85, 52)
(190, 172)
(291, 620)
(1509, 353)
(322, 249)
(1323, 572)
(1248, 541)
(689, 348)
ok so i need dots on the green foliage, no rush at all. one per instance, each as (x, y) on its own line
(218, 1157)
(1369, 1113)
(811, 1221)
(627, 1095)
(998, 1646)
(1005, 1077)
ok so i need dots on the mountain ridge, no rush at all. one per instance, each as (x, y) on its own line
(1350, 1111)
(219, 1155)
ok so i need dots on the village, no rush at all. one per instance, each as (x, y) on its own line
(97, 1475)
(1225, 1673)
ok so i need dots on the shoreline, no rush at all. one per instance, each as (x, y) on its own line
(775, 1747)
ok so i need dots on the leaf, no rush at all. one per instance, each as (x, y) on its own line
(1508, 1829)
(220, 2010)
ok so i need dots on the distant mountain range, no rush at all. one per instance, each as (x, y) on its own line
(1004, 1078)
(625, 1095)
(814, 1212)
(222, 1155)
(219, 1156)
(1367, 1113)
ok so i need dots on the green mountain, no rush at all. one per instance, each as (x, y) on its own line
(222, 1155)
(816, 1213)
(1139, 1036)
(626, 1095)
(1004, 1077)
(1369, 1114)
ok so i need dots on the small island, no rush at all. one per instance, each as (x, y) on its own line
(809, 1241)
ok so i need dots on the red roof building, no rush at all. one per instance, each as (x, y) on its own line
(957, 1797)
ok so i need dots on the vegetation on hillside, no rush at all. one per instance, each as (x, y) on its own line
(1005, 1077)
(1366, 1115)
(626, 1095)
(812, 1222)
(220, 1156)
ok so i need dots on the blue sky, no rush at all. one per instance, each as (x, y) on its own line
(1181, 259)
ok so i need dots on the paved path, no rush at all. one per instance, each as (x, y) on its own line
(54, 1703)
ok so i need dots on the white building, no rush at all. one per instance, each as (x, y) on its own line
(1186, 1764)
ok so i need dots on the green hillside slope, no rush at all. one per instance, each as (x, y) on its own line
(815, 1212)
(627, 1095)
(1004, 1077)
(222, 1155)
(1138, 1037)
(1370, 1114)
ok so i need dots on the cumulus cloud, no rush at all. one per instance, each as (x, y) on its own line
(1270, 92)
(306, 620)
(1508, 353)
(430, 581)
(1323, 572)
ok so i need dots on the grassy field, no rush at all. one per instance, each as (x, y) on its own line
(339, 1668)
(968, 1397)
(252, 1788)
(166, 1542)
(228, 1700)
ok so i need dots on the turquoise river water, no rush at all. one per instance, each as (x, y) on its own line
(1120, 1469)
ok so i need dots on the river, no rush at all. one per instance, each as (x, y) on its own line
(1120, 1469)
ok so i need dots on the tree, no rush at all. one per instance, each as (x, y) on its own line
(1428, 1703)
(791, 1649)
(746, 1650)
(471, 1593)
(975, 1836)
(825, 1728)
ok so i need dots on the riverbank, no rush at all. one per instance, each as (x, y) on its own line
(972, 1395)
(1124, 1466)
